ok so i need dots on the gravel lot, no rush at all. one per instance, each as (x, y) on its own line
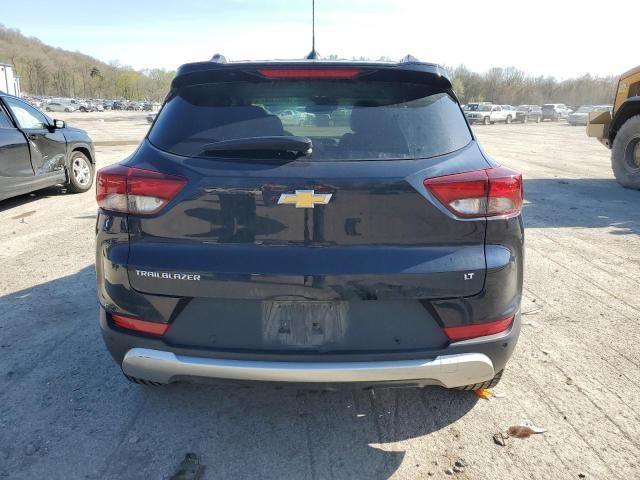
(66, 411)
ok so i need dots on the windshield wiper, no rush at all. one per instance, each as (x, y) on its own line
(255, 146)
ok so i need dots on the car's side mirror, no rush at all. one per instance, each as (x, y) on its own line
(58, 124)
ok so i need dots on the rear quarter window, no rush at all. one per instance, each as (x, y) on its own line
(346, 120)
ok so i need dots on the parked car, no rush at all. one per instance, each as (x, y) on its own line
(524, 113)
(118, 105)
(489, 114)
(37, 152)
(509, 108)
(59, 107)
(151, 117)
(228, 249)
(80, 105)
(294, 117)
(472, 107)
(554, 111)
(133, 106)
(150, 106)
(581, 115)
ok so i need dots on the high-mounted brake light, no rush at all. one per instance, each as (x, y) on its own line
(134, 190)
(480, 193)
(142, 326)
(289, 73)
(464, 332)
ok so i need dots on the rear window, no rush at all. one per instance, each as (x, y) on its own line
(345, 120)
(548, 107)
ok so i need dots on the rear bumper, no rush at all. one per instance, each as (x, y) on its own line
(448, 370)
(457, 364)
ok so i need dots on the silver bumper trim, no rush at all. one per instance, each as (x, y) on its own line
(447, 370)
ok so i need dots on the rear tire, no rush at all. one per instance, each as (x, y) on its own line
(508, 120)
(486, 121)
(80, 173)
(488, 384)
(625, 154)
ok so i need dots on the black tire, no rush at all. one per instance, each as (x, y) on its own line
(488, 384)
(625, 154)
(508, 120)
(80, 173)
(48, 109)
(486, 121)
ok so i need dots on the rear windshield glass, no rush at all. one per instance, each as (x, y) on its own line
(548, 107)
(345, 120)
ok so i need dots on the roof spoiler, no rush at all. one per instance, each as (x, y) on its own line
(219, 69)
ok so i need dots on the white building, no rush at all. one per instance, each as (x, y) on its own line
(9, 81)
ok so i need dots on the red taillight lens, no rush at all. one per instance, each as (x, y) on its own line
(505, 192)
(480, 193)
(134, 190)
(142, 326)
(287, 73)
(464, 332)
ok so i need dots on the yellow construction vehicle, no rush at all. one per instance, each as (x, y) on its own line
(619, 130)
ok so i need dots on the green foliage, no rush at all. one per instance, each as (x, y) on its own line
(45, 70)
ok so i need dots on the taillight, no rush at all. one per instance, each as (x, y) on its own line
(464, 332)
(134, 190)
(480, 193)
(142, 326)
(289, 73)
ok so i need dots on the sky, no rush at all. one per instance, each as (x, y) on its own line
(562, 38)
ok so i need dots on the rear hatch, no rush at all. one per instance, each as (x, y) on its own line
(347, 232)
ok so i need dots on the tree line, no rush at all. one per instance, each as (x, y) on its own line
(510, 86)
(45, 70)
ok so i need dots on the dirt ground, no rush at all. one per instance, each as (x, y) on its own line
(67, 412)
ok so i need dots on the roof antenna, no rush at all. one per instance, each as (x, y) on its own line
(313, 55)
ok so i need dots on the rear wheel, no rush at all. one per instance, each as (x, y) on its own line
(508, 120)
(80, 173)
(486, 121)
(488, 384)
(625, 154)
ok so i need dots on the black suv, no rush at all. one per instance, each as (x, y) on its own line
(38, 152)
(385, 248)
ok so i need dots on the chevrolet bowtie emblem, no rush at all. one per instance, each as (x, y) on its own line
(304, 199)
